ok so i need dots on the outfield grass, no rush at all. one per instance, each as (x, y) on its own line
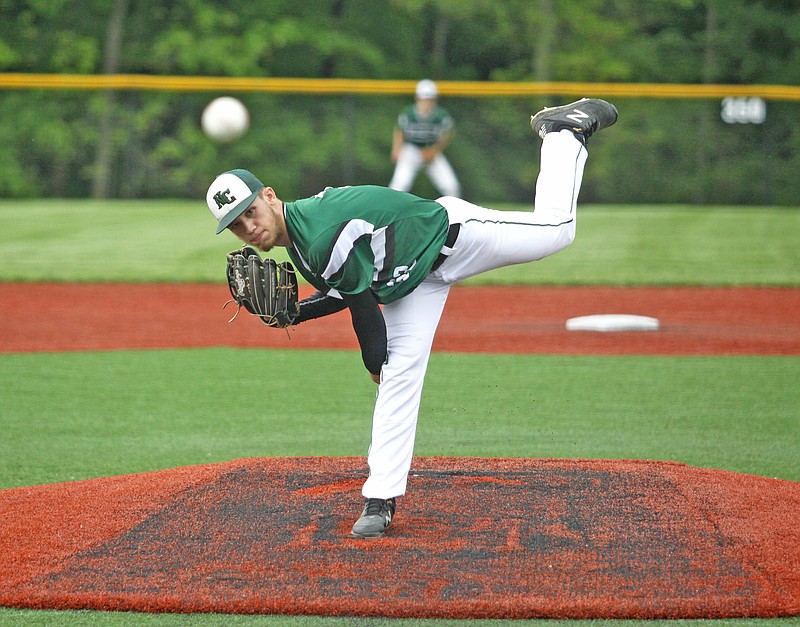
(81, 415)
(119, 412)
(146, 241)
(123, 619)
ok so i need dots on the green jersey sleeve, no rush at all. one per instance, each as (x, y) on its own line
(366, 237)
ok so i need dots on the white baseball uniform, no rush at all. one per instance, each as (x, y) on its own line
(487, 239)
(420, 132)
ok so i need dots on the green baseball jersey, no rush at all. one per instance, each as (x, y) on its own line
(366, 237)
(423, 131)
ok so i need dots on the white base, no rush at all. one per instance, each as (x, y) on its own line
(612, 322)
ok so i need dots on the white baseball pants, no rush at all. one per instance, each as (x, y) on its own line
(488, 239)
(439, 170)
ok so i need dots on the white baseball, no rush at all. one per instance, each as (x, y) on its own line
(225, 119)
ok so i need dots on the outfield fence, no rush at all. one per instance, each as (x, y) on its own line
(674, 143)
(340, 86)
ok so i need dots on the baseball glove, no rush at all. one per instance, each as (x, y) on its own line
(265, 288)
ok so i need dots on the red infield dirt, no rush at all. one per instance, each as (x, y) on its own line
(473, 538)
(694, 321)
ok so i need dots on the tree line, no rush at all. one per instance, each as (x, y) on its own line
(136, 144)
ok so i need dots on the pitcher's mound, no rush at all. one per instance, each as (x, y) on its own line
(473, 538)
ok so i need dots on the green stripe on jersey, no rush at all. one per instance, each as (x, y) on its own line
(356, 238)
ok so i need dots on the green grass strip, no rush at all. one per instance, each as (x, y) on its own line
(162, 240)
(78, 415)
(39, 618)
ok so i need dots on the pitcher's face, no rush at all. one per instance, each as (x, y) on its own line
(261, 225)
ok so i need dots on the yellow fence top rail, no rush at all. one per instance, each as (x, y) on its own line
(373, 87)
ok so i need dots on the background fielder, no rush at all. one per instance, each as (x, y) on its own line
(423, 131)
(366, 246)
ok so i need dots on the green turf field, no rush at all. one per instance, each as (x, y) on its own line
(80, 415)
(118, 412)
(174, 241)
(123, 619)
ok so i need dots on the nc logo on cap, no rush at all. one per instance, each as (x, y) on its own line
(230, 195)
(224, 198)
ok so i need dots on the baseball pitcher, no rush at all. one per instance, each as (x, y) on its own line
(390, 258)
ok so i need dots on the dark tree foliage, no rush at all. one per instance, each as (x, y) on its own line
(147, 144)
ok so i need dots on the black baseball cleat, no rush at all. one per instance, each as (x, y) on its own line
(375, 519)
(583, 117)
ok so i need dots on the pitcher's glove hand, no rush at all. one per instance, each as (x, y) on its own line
(265, 288)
